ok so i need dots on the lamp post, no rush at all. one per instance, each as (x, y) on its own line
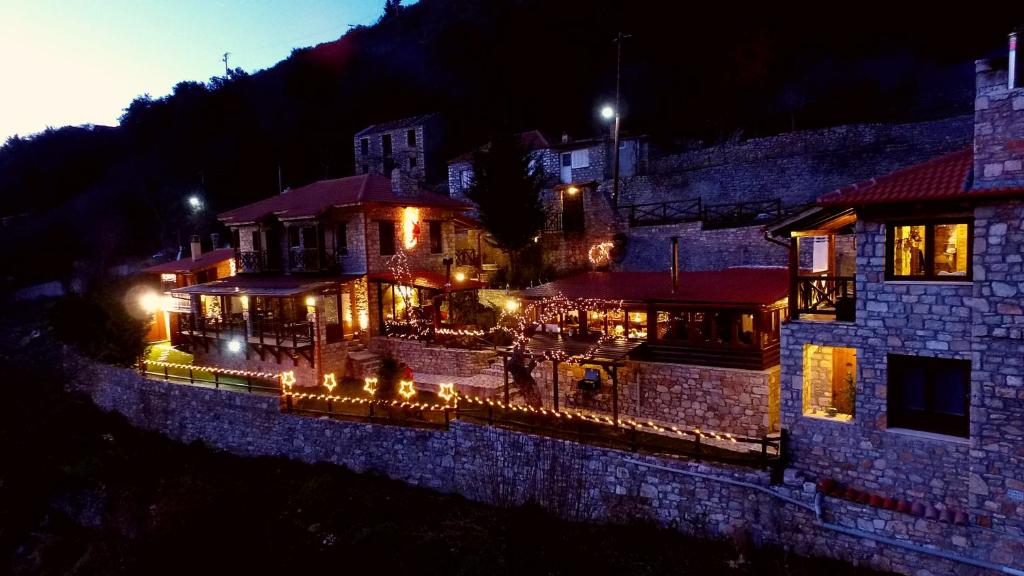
(608, 111)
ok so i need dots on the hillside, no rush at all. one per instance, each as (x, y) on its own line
(104, 195)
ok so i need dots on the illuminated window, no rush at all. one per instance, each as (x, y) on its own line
(830, 381)
(929, 251)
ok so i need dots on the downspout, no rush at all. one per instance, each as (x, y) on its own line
(769, 238)
(816, 508)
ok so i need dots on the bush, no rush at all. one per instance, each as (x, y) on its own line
(100, 326)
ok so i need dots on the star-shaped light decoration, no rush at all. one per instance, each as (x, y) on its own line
(406, 389)
(330, 382)
(370, 385)
(288, 380)
(446, 391)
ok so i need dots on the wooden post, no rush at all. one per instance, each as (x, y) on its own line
(504, 364)
(554, 382)
(794, 284)
(615, 395)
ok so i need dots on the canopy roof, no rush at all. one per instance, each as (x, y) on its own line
(758, 286)
(280, 286)
(314, 199)
(188, 265)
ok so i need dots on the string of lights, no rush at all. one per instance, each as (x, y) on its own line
(214, 369)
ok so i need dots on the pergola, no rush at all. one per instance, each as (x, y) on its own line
(609, 354)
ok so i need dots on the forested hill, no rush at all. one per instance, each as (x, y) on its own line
(687, 76)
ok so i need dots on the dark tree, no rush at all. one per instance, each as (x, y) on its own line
(391, 8)
(508, 194)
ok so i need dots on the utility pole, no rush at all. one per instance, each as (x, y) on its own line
(618, 119)
(227, 71)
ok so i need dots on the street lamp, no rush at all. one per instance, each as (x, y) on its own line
(195, 202)
(607, 112)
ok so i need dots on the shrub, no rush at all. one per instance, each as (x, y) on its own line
(99, 325)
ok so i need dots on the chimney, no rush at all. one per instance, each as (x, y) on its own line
(565, 138)
(675, 264)
(999, 121)
(214, 240)
(197, 247)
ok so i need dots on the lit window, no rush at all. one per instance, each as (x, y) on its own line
(932, 251)
(830, 381)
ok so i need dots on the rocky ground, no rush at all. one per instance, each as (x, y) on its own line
(82, 492)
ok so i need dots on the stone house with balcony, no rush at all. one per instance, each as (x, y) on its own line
(409, 144)
(318, 275)
(903, 358)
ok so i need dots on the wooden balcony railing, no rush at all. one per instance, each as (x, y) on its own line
(252, 261)
(467, 257)
(553, 221)
(740, 213)
(312, 260)
(658, 213)
(261, 331)
(827, 295)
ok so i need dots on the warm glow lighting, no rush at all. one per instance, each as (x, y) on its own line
(364, 320)
(572, 190)
(330, 382)
(460, 276)
(370, 385)
(234, 346)
(511, 305)
(310, 301)
(149, 302)
(245, 301)
(607, 112)
(232, 267)
(410, 227)
(168, 277)
(600, 254)
(446, 391)
(406, 389)
(288, 380)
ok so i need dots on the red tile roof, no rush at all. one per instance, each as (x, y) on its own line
(313, 199)
(944, 178)
(188, 265)
(257, 285)
(732, 286)
(428, 279)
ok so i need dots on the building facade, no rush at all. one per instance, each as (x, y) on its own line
(410, 145)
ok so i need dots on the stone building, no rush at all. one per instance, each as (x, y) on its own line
(903, 359)
(322, 268)
(409, 144)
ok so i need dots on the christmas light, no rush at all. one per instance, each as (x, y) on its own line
(370, 385)
(288, 380)
(446, 391)
(330, 382)
(234, 346)
(215, 370)
(460, 276)
(406, 389)
(600, 254)
(310, 301)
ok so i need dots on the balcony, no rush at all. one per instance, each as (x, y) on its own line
(262, 331)
(312, 260)
(825, 297)
(255, 261)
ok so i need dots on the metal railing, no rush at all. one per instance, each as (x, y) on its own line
(553, 221)
(210, 376)
(657, 213)
(740, 213)
(251, 260)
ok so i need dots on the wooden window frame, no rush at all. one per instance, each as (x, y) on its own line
(927, 420)
(929, 251)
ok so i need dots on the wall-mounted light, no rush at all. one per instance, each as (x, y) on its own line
(310, 301)
(149, 302)
(460, 276)
(572, 190)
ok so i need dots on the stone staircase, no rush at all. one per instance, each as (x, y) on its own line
(364, 363)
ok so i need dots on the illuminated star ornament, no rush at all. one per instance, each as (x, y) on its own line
(288, 380)
(600, 254)
(406, 389)
(330, 382)
(370, 385)
(446, 391)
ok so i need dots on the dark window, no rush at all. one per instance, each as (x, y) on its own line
(309, 238)
(435, 237)
(389, 165)
(257, 241)
(412, 162)
(410, 138)
(385, 144)
(929, 251)
(341, 239)
(386, 234)
(364, 146)
(930, 394)
(366, 169)
(235, 238)
(293, 237)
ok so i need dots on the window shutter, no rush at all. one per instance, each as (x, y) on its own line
(581, 158)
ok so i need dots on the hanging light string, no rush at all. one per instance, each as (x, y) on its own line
(214, 370)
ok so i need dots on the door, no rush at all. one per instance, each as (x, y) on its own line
(627, 159)
(572, 212)
(566, 172)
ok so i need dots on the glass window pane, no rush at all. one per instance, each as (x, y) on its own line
(950, 392)
(951, 255)
(908, 250)
(912, 383)
(637, 324)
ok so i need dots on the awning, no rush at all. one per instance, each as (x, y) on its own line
(188, 265)
(428, 279)
(279, 286)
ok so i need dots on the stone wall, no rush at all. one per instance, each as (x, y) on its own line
(998, 128)
(650, 248)
(718, 399)
(420, 257)
(421, 357)
(576, 481)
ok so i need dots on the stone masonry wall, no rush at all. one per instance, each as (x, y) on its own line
(649, 248)
(503, 467)
(433, 359)
(717, 399)
(998, 128)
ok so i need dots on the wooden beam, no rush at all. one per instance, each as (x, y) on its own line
(794, 271)
(554, 382)
(615, 396)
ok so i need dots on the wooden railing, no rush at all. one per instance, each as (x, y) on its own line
(740, 213)
(553, 221)
(467, 257)
(829, 295)
(262, 331)
(657, 213)
(253, 261)
(311, 260)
